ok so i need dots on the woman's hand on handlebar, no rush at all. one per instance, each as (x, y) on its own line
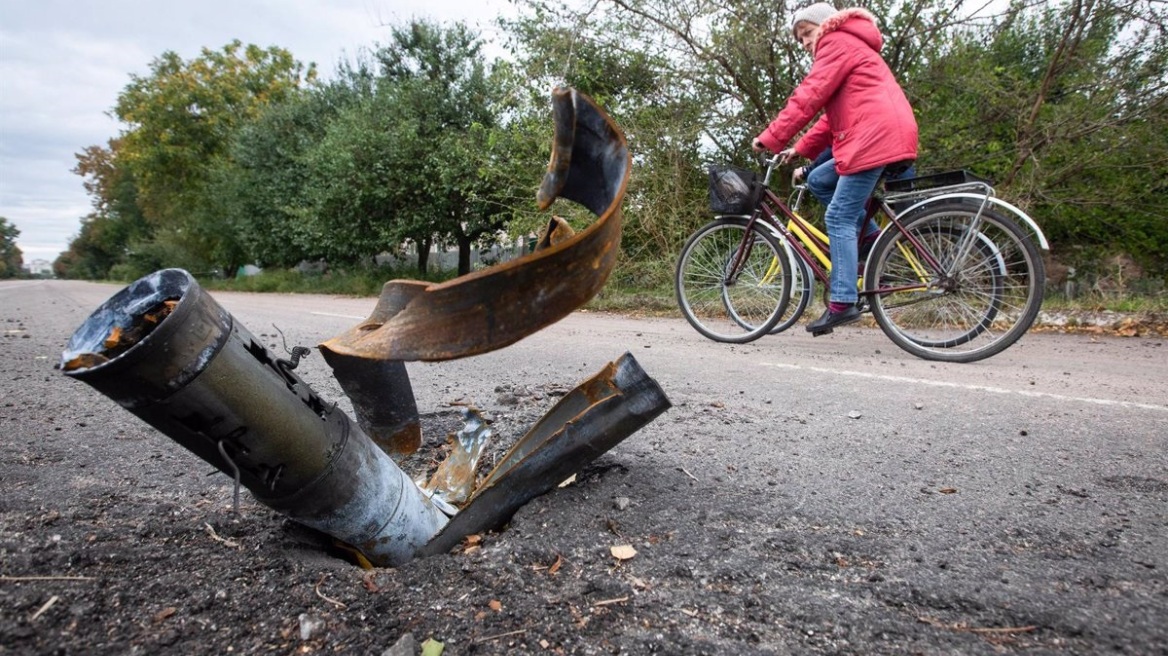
(785, 157)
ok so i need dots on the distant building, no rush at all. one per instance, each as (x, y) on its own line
(41, 268)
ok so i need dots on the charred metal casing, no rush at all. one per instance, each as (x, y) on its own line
(205, 381)
(202, 379)
(383, 400)
(591, 419)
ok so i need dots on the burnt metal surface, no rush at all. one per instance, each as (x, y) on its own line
(492, 308)
(202, 379)
(383, 400)
(588, 421)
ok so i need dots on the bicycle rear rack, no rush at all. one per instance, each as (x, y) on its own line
(981, 188)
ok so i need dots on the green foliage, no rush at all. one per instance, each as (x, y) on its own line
(264, 189)
(358, 280)
(1063, 106)
(239, 155)
(11, 259)
(426, 154)
(116, 223)
(180, 121)
(453, 125)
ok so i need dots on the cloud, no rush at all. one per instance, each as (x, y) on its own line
(63, 64)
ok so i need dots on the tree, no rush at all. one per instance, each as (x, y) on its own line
(11, 259)
(1063, 106)
(425, 155)
(180, 119)
(116, 227)
(453, 108)
(1061, 103)
(262, 190)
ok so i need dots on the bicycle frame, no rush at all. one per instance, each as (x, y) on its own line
(955, 276)
(809, 244)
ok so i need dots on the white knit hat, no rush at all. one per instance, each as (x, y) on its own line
(816, 14)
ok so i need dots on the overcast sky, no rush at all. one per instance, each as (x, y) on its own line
(63, 63)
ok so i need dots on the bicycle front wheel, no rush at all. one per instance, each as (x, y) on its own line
(802, 293)
(732, 286)
(955, 286)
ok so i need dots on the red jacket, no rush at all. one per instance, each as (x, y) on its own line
(867, 119)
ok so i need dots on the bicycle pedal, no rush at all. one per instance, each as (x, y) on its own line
(817, 333)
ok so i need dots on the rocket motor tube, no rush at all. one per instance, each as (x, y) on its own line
(203, 380)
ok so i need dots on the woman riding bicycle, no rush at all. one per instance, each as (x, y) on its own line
(867, 122)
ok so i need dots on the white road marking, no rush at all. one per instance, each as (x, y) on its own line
(977, 388)
(339, 316)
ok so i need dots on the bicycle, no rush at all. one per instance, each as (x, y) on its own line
(953, 276)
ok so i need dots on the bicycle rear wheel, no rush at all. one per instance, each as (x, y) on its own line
(734, 306)
(953, 286)
(991, 268)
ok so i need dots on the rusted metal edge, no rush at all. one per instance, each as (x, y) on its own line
(489, 309)
(587, 422)
(383, 402)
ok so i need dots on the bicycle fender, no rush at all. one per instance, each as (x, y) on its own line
(993, 200)
(761, 225)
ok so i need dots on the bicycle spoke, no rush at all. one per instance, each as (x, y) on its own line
(978, 293)
(726, 303)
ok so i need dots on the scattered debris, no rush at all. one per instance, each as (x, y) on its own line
(43, 609)
(406, 645)
(609, 602)
(432, 647)
(310, 625)
(215, 536)
(316, 588)
(205, 381)
(623, 552)
(455, 477)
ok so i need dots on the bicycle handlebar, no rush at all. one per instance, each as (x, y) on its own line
(769, 162)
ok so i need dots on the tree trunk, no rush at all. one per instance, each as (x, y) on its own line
(423, 254)
(464, 246)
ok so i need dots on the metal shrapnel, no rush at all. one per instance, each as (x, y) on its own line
(492, 308)
(168, 353)
(588, 421)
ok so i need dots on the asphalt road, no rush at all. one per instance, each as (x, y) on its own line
(1034, 483)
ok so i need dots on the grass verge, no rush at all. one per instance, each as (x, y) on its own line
(648, 291)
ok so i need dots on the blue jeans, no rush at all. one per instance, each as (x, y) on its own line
(844, 218)
(822, 179)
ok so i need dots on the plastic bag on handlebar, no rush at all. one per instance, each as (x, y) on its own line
(733, 190)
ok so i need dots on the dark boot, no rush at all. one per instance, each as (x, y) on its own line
(826, 323)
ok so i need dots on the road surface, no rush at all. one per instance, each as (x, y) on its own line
(803, 495)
